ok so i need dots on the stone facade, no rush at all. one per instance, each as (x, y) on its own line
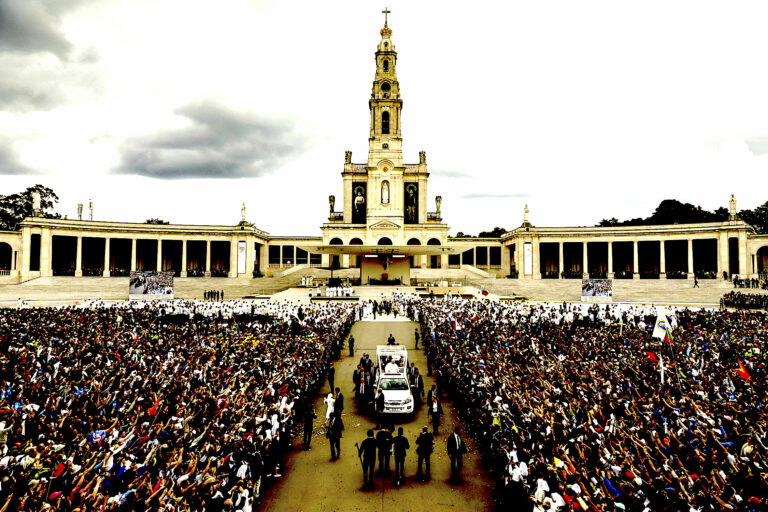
(393, 211)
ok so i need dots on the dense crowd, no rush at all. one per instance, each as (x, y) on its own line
(176, 406)
(739, 300)
(572, 410)
(750, 283)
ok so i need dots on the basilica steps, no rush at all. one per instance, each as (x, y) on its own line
(656, 291)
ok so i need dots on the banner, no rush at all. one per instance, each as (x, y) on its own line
(150, 285)
(597, 290)
(528, 258)
(241, 257)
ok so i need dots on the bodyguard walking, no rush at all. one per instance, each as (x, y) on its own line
(309, 423)
(351, 346)
(401, 447)
(435, 411)
(367, 452)
(456, 450)
(333, 434)
(424, 447)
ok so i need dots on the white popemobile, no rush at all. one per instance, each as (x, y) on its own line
(393, 379)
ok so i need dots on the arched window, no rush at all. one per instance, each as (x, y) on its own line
(385, 65)
(336, 241)
(385, 241)
(414, 241)
(433, 241)
(385, 123)
(355, 241)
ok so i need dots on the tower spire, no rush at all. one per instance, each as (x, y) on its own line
(385, 12)
(385, 104)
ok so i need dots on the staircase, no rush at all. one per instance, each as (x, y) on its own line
(661, 291)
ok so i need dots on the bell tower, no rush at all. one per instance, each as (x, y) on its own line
(385, 105)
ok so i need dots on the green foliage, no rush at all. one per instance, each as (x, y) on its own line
(494, 233)
(671, 211)
(156, 221)
(16, 207)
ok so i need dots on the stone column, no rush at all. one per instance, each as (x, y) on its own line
(263, 259)
(422, 213)
(635, 261)
(26, 245)
(233, 257)
(610, 260)
(207, 258)
(690, 258)
(560, 260)
(519, 258)
(743, 264)
(249, 257)
(505, 260)
(46, 250)
(662, 261)
(159, 266)
(722, 255)
(536, 258)
(585, 261)
(183, 272)
(106, 271)
(133, 254)
(79, 257)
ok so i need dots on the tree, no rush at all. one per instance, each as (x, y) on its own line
(757, 218)
(461, 234)
(156, 221)
(496, 232)
(16, 207)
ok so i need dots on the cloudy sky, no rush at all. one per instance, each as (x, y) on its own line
(184, 109)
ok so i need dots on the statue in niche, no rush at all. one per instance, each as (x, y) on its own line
(332, 202)
(411, 204)
(385, 192)
(422, 157)
(347, 157)
(359, 202)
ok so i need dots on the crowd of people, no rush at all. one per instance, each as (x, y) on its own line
(213, 295)
(175, 406)
(578, 407)
(752, 282)
(740, 300)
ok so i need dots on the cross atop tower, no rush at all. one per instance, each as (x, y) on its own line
(385, 12)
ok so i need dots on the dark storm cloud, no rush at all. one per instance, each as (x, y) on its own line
(9, 163)
(219, 143)
(29, 26)
(758, 145)
(483, 195)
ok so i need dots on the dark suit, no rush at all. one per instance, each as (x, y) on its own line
(309, 417)
(338, 404)
(424, 447)
(456, 450)
(435, 415)
(379, 409)
(401, 446)
(331, 377)
(334, 436)
(384, 444)
(417, 388)
(368, 451)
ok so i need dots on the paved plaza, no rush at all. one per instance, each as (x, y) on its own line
(312, 483)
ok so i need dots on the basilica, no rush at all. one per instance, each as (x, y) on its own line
(385, 231)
